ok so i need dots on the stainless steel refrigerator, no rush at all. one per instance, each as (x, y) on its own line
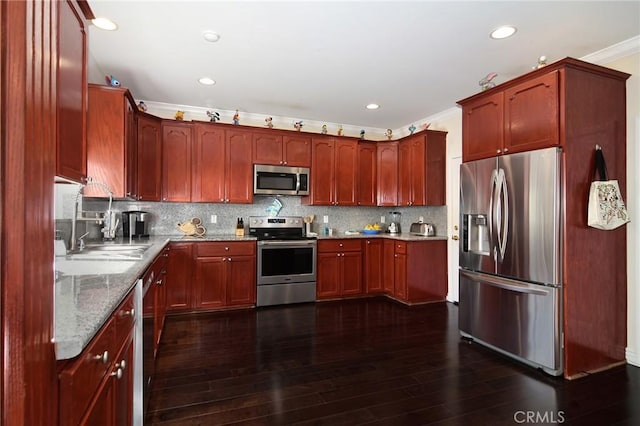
(510, 256)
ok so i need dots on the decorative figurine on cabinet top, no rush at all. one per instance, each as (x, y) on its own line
(112, 81)
(340, 130)
(179, 115)
(362, 134)
(236, 118)
(412, 129)
(486, 82)
(213, 116)
(542, 61)
(269, 122)
(425, 126)
(324, 129)
(298, 125)
(388, 133)
(142, 106)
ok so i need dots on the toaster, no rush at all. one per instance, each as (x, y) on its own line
(422, 229)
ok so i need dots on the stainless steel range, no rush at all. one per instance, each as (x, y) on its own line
(286, 260)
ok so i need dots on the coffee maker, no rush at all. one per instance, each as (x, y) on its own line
(135, 224)
(394, 223)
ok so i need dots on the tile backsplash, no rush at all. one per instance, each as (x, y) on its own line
(166, 216)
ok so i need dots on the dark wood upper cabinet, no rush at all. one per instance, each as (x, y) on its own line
(149, 158)
(296, 149)
(334, 172)
(208, 183)
(367, 160)
(267, 148)
(483, 127)
(176, 161)
(387, 173)
(422, 169)
(279, 148)
(71, 155)
(239, 168)
(111, 141)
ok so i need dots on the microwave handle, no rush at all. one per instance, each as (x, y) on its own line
(297, 183)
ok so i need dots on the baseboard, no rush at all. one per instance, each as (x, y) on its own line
(633, 357)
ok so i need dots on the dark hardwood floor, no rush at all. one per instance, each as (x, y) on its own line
(364, 361)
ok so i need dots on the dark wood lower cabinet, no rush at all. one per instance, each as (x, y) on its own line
(373, 265)
(179, 277)
(339, 268)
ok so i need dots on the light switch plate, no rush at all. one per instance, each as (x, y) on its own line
(325, 219)
(381, 219)
(214, 218)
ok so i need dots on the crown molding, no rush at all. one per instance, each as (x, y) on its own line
(613, 53)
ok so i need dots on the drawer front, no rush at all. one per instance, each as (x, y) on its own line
(225, 249)
(124, 318)
(328, 246)
(400, 247)
(79, 381)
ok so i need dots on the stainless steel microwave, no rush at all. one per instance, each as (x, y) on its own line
(280, 180)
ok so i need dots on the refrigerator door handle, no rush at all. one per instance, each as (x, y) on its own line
(503, 206)
(506, 283)
(492, 213)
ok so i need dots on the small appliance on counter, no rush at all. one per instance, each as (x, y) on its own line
(422, 229)
(135, 224)
(394, 223)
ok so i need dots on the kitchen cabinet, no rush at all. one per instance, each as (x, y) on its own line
(521, 117)
(281, 149)
(179, 277)
(111, 141)
(367, 160)
(333, 172)
(176, 161)
(574, 105)
(208, 175)
(225, 275)
(373, 265)
(238, 167)
(418, 269)
(71, 92)
(422, 169)
(339, 265)
(387, 173)
(149, 158)
(97, 386)
(155, 296)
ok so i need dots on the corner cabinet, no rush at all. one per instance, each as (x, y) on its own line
(387, 173)
(574, 105)
(367, 162)
(149, 167)
(71, 149)
(111, 141)
(422, 169)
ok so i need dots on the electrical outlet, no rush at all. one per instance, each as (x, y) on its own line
(325, 219)
(214, 218)
(421, 219)
(381, 219)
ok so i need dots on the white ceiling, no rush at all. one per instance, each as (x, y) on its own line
(324, 61)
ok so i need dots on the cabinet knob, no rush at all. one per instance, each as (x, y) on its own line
(341, 245)
(104, 357)
(226, 249)
(140, 197)
(285, 163)
(455, 238)
(122, 364)
(229, 259)
(506, 150)
(159, 282)
(117, 374)
(130, 313)
(368, 242)
(498, 151)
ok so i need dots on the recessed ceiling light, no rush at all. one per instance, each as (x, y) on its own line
(503, 32)
(372, 106)
(104, 24)
(207, 81)
(211, 36)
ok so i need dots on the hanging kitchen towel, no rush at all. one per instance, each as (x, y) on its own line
(606, 208)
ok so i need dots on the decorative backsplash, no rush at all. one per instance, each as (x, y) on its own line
(166, 216)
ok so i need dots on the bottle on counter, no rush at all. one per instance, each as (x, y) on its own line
(240, 227)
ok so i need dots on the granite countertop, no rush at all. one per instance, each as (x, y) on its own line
(402, 236)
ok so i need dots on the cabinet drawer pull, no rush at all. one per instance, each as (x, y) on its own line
(104, 357)
(128, 313)
(159, 282)
(117, 374)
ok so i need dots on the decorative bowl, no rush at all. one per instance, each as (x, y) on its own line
(371, 231)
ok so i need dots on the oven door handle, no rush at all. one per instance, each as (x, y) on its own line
(293, 243)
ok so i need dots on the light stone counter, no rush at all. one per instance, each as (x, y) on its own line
(83, 303)
(402, 237)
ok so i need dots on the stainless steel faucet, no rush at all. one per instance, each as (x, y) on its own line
(108, 217)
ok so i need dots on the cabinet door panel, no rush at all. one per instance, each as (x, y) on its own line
(210, 282)
(436, 172)
(387, 173)
(149, 159)
(483, 128)
(346, 172)
(351, 273)
(208, 164)
(388, 269)
(239, 172)
(296, 150)
(322, 171)
(367, 174)
(418, 171)
(400, 276)
(328, 280)
(71, 156)
(241, 281)
(373, 265)
(176, 162)
(404, 172)
(179, 277)
(532, 114)
(267, 149)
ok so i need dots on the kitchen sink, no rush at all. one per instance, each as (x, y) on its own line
(77, 266)
(110, 251)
